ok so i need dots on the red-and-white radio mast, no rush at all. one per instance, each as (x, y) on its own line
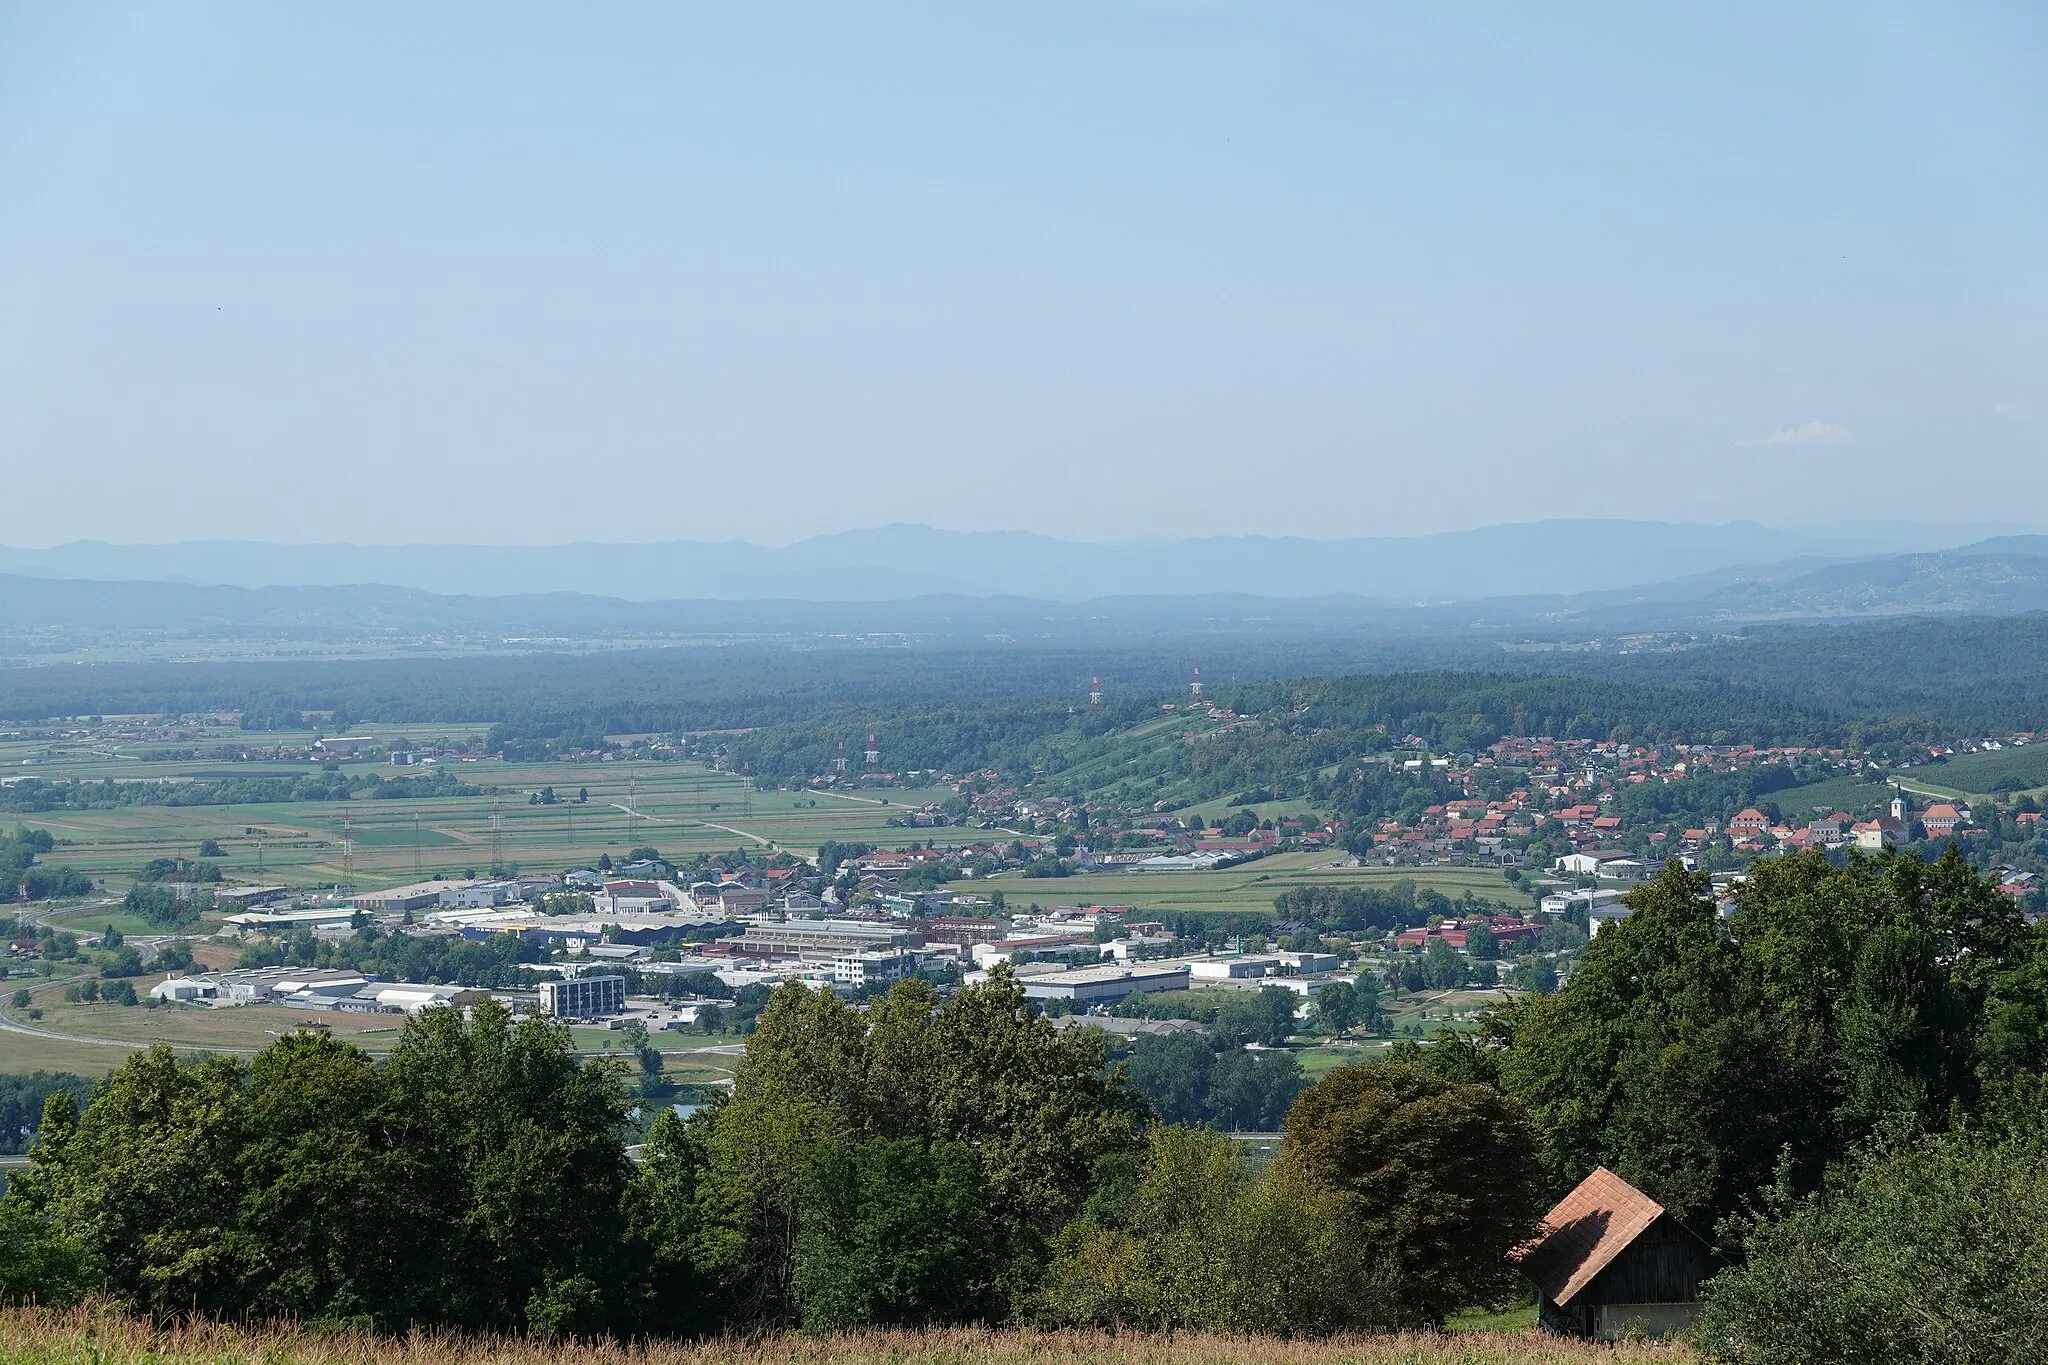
(1095, 689)
(1195, 686)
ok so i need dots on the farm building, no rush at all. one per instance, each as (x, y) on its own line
(1610, 1260)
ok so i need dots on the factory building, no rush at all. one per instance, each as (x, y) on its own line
(583, 997)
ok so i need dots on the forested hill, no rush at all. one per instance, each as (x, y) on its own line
(1289, 737)
(708, 687)
(1947, 678)
(1920, 679)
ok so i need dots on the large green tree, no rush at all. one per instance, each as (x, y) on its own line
(1834, 1004)
(1037, 1107)
(1437, 1181)
(146, 1182)
(520, 1143)
(1200, 1240)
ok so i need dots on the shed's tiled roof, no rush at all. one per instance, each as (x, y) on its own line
(1584, 1233)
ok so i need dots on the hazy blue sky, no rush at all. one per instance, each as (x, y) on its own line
(507, 272)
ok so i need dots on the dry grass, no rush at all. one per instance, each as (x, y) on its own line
(96, 1336)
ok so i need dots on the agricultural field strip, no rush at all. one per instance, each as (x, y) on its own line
(303, 843)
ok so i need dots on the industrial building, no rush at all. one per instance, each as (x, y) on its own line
(284, 921)
(873, 969)
(1103, 985)
(417, 896)
(818, 940)
(583, 997)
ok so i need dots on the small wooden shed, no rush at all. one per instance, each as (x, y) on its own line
(1609, 1261)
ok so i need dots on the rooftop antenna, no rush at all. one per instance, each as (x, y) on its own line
(1195, 686)
(1095, 689)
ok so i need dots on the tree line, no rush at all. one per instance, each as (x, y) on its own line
(35, 794)
(22, 872)
(917, 1162)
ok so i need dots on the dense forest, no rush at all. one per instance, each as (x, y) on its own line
(1918, 678)
(709, 687)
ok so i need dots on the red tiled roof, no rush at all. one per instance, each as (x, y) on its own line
(1580, 1237)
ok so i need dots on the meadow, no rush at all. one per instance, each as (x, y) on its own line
(680, 808)
(2022, 769)
(100, 1336)
(1848, 792)
(1246, 887)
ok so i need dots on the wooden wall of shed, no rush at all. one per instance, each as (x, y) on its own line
(1667, 1263)
(1575, 1321)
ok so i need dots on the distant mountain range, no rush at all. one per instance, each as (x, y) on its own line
(48, 617)
(894, 563)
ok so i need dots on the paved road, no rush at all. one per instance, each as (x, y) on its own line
(9, 1025)
(30, 918)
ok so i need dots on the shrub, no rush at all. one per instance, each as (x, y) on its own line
(1935, 1251)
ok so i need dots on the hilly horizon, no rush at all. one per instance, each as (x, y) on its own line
(906, 561)
(42, 618)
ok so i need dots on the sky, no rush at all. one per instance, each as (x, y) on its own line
(508, 273)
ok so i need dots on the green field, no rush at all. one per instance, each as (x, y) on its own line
(1247, 887)
(93, 916)
(1848, 792)
(1980, 774)
(680, 808)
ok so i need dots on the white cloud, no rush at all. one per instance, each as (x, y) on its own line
(1805, 434)
(2012, 410)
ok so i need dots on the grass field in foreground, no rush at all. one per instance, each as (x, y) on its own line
(99, 1337)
